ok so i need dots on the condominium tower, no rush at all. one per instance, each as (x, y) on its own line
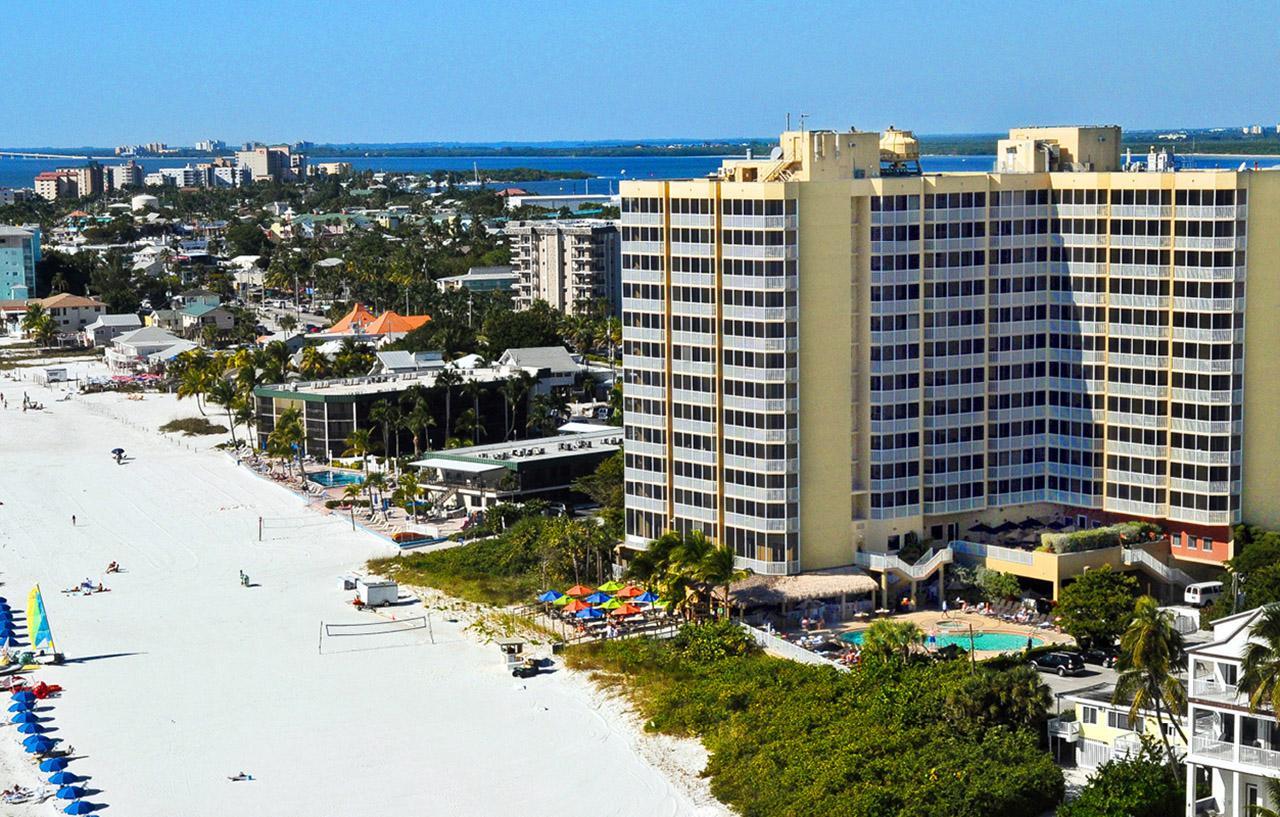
(829, 351)
(572, 264)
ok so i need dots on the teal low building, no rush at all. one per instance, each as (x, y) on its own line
(19, 254)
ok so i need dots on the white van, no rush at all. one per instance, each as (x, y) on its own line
(1202, 594)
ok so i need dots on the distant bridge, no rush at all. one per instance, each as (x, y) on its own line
(15, 154)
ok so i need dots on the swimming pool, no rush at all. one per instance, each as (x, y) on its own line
(988, 642)
(335, 479)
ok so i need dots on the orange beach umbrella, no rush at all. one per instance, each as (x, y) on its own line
(630, 592)
(576, 605)
(627, 610)
(579, 590)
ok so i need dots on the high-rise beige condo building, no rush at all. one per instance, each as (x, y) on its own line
(830, 354)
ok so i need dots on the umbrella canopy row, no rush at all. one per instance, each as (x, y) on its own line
(22, 706)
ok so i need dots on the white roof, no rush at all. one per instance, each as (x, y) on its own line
(457, 465)
(572, 427)
(147, 335)
(173, 351)
(555, 358)
(129, 319)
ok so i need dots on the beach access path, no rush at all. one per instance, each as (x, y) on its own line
(179, 677)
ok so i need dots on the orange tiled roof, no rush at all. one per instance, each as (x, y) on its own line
(391, 321)
(357, 315)
(66, 299)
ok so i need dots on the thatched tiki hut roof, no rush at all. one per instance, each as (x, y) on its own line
(759, 589)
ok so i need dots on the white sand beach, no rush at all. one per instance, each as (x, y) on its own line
(179, 677)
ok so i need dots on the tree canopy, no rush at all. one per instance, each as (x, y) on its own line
(1096, 607)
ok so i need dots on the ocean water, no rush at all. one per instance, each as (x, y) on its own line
(606, 170)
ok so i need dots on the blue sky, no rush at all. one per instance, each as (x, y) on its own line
(107, 72)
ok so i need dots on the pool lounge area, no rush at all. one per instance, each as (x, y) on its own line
(335, 479)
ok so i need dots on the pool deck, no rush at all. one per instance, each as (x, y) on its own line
(928, 621)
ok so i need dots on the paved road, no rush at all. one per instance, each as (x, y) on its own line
(1092, 675)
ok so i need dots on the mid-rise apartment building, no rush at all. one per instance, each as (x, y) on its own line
(19, 252)
(1235, 748)
(71, 182)
(829, 352)
(273, 163)
(570, 264)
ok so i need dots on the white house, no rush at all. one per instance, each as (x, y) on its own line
(108, 327)
(144, 349)
(72, 313)
(553, 366)
(1236, 747)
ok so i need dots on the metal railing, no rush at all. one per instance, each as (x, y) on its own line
(1143, 559)
(1004, 554)
(1066, 730)
(786, 649)
(1213, 688)
(925, 566)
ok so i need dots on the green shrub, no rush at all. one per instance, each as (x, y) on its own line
(1138, 786)
(713, 641)
(193, 426)
(793, 740)
(1123, 533)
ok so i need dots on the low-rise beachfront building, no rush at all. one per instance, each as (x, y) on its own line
(1236, 747)
(1092, 728)
(143, 350)
(109, 327)
(72, 313)
(542, 468)
(334, 408)
(196, 317)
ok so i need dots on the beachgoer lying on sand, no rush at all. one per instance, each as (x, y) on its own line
(240, 777)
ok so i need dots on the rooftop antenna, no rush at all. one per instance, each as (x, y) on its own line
(788, 120)
(803, 117)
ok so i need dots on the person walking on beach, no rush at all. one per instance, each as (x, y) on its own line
(73, 520)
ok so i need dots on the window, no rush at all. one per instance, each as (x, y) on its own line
(895, 542)
(1089, 714)
(1191, 543)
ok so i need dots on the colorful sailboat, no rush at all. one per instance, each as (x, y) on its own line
(38, 621)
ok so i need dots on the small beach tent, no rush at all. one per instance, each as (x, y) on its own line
(646, 598)
(589, 612)
(611, 586)
(597, 598)
(578, 590)
(630, 591)
(627, 610)
(576, 606)
(25, 716)
(54, 764)
(70, 793)
(550, 595)
(611, 604)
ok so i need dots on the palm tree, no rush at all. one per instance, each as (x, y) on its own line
(359, 443)
(418, 420)
(225, 395)
(375, 483)
(407, 493)
(891, 640)
(468, 425)
(474, 388)
(609, 335)
(687, 570)
(44, 332)
(387, 417)
(1150, 652)
(1260, 665)
(513, 389)
(446, 379)
(313, 365)
(194, 375)
(288, 323)
(289, 437)
(32, 317)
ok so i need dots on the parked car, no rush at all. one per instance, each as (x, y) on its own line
(1101, 656)
(1063, 663)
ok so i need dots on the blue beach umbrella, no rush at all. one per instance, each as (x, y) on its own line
(26, 696)
(31, 729)
(20, 706)
(597, 598)
(646, 598)
(9, 640)
(63, 778)
(54, 764)
(550, 596)
(589, 612)
(79, 807)
(70, 793)
(25, 716)
(37, 744)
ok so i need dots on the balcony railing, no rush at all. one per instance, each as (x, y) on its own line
(1066, 730)
(1215, 689)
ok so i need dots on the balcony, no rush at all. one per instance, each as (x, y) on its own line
(1067, 730)
(1211, 689)
(1206, 748)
